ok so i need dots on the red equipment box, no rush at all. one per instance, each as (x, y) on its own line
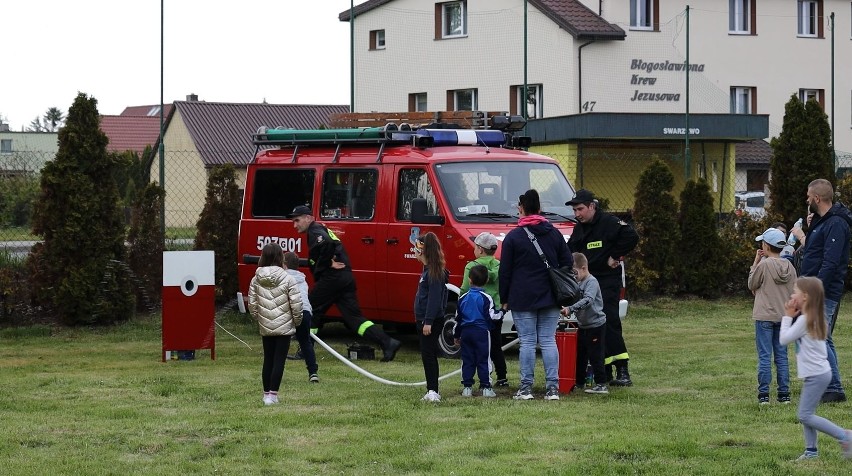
(566, 343)
(189, 306)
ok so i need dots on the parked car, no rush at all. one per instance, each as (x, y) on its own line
(752, 203)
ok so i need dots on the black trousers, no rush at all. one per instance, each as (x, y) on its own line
(306, 344)
(337, 288)
(590, 349)
(275, 350)
(429, 351)
(497, 355)
(615, 349)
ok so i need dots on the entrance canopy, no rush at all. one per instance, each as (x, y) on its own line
(648, 126)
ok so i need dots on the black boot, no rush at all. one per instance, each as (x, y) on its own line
(622, 376)
(388, 344)
(296, 356)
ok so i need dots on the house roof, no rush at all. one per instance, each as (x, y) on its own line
(571, 15)
(152, 110)
(130, 132)
(754, 152)
(222, 131)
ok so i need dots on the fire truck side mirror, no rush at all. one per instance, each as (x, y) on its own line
(418, 213)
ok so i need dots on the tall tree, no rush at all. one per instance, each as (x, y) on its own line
(35, 125)
(655, 213)
(218, 226)
(801, 153)
(53, 119)
(78, 266)
(700, 273)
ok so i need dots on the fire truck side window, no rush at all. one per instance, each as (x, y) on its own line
(277, 192)
(414, 183)
(349, 194)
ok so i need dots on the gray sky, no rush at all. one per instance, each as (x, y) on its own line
(284, 51)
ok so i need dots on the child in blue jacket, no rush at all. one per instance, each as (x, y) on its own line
(474, 314)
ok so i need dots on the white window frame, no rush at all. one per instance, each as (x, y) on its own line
(806, 94)
(380, 39)
(417, 102)
(474, 100)
(5, 146)
(638, 21)
(447, 12)
(808, 18)
(534, 91)
(741, 100)
(739, 17)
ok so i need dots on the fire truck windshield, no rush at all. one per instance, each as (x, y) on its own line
(488, 191)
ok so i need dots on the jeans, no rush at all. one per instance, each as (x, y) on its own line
(306, 343)
(766, 339)
(539, 327)
(831, 308)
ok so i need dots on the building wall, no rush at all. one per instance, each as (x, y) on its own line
(612, 171)
(775, 61)
(489, 58)
(185, 175)
(30, 150)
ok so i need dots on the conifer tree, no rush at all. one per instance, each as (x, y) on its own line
(146, 240)
(655, 214)
(76, 267)
(700, 260)
(218, 226)
(801, 153)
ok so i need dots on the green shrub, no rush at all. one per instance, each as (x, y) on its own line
(77, 214)
(145, 256)
(699, 256)
(738, 247)
(218, 226)
(800, 154)
(17, 195)
(14, 292)
(655, 215)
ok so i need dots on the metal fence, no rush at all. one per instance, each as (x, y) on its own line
(612, 173)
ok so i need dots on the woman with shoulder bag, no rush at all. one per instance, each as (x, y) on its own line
(525, 289)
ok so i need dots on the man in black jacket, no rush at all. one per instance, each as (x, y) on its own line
(334, 282)
(604, 240)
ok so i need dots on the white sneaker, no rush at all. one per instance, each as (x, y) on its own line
(431, 396)
(274, 398)
(488, 393)
(467, 392)
(267, 400)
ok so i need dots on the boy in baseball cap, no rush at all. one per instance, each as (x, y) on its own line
(485, 245)
(771, 279)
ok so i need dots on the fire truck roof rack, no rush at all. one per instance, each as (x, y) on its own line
(499, 135)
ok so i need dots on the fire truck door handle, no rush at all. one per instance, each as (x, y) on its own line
(368, 239)
(392, 241)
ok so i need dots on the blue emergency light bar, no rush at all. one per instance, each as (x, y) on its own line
(487, 138)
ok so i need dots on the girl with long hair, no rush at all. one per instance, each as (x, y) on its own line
(430, 303)
(809, 331)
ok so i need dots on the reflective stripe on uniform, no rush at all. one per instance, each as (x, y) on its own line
(610, 360)
(363, 327)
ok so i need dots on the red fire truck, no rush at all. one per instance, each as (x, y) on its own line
(379, 188)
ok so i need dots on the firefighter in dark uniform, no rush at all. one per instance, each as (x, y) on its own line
(334, 283)
(604, 240)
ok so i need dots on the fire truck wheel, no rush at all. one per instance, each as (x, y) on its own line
(446, 342)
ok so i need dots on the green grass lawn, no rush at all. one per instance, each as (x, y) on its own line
(99, 401)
